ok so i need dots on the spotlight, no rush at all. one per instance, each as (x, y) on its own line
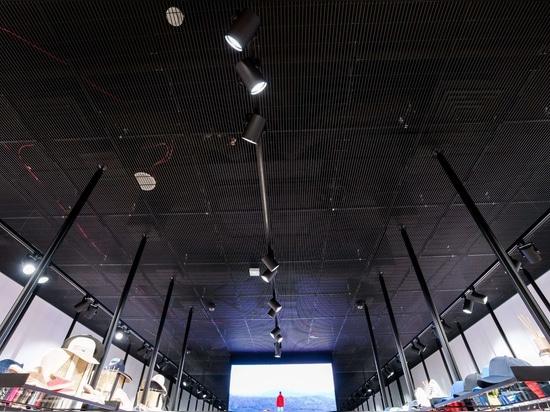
(43, 279)
(211, 306)
(446, 327)
(530, 252)
(163, 366)
(30, 264)
(468, 306)
(278, 349)
(251, 76)
(80, 306)
(389, 371)
(478, 297)
(270, 262)
(421, 347)
(360, 304)
(121, 330)
(275, 332)
(91, 312)
(279, 338)
(271, 312)
(254, 128)
(243, 29)
(276, 306)
(143, 350)
(267, 276)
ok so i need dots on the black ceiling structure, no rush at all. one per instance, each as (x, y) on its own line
(358, 96)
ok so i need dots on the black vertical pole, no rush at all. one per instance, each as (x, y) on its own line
(155, 352)
(500, 252)
(73, 323)
(467, 345)
(108, 338)
(139, 385)
(447, 355)
(375, 356)
(424, 366)
(500, 330)
(390, 394)
(18, 307)
(368, 405)
(536, 287)
(400, 351)
(400, 389)
(179, 376)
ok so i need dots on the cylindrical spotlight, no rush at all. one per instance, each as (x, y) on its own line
(80, 306)
(421, 347)
(275, 332)
(478, 297)
(276, 306)
(278, 349)
(29, 264)
(91, 312)
(119, 334)
(254, 128)
(279, 338)
(271, 312)
(270, 262)
(267, 276)
(530, 252)
(243, 29)
(468, 306)
(251, 77)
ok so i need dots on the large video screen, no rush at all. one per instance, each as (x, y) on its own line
(304, 386)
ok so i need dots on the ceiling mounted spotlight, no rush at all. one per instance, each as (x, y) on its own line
(143, 350)
(254, 129)
(530, 252)
(360, 304)
(250, 76)
(163, 366)
(446, 326)
(276, 306)
(468, 306)
(244, 28)
(419, 345)
(389, 371)
(267, 276)
(478, 297)
(271, 312)
(279, 338)
(29, 264)
(91, 312)
(43, 279)
(278, 349)
(121, 332)
(270, 262)
(83, 304)
(277, 331)
(211, 306)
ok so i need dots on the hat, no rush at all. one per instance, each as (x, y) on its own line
(84, 348)
(6, 363)
(117, 364)
(99, 350)
(158, 379)
(468, 384)
(500, 371)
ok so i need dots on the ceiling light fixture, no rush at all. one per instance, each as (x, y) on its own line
(211, 306)
(478, 297)
(278, 349)
(360, 304)
(389, 371)
(277, 331)
(83, 304)
(43, 279)
(468, 306)
(254, 129)
(92, 311)
(270, 262)
(250, 76)
(271, 313)
(418, 346)
(268, 276)
(29, 264)
(446, 327)
(530, 252)
(276, 306)
(120, 332)
(243, 30)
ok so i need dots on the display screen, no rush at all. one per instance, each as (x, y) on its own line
(304, 386)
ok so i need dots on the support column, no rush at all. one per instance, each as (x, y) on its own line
(19, 306)
(400, 351)
(500, 330)
(179, 376)
(500, 252)
(440, 332)
(467, 345)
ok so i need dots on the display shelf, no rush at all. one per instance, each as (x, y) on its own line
(530, 387)
(16, 394)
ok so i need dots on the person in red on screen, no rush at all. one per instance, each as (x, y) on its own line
(280, 402)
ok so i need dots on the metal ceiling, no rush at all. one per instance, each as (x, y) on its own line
(359, 94)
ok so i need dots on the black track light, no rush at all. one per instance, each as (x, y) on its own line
(91, 312)
(29, 264)
(268, 276)
(270, 262)
(244, 28)
(360, 304)
(254, 129)
(250, 76)
(271, 313)
(468, 306)
(276, 306)
(418, 346)
(478, 297)
(389, 371)
(278, 349)
(83, 304)
(530, 252)
(275, 332)
(447, 328)
(143, 350)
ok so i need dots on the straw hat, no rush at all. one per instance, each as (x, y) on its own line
(159, 380)
(84, 348)
(99, 349)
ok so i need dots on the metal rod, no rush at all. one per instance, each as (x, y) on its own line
(537, 289)
(140, 379)
(438, 345)
(179, 376)
(424, 366)
(127, 352)
(73, 323)
(400, 389)
(108, 338)
(500, 330)
(400, 351)
(155, 352)
(17, 308)
(375, 356)
(503, 257)
(263, 192)
(448, 356)
(467, 345)
(368, 405)
(390, 394)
